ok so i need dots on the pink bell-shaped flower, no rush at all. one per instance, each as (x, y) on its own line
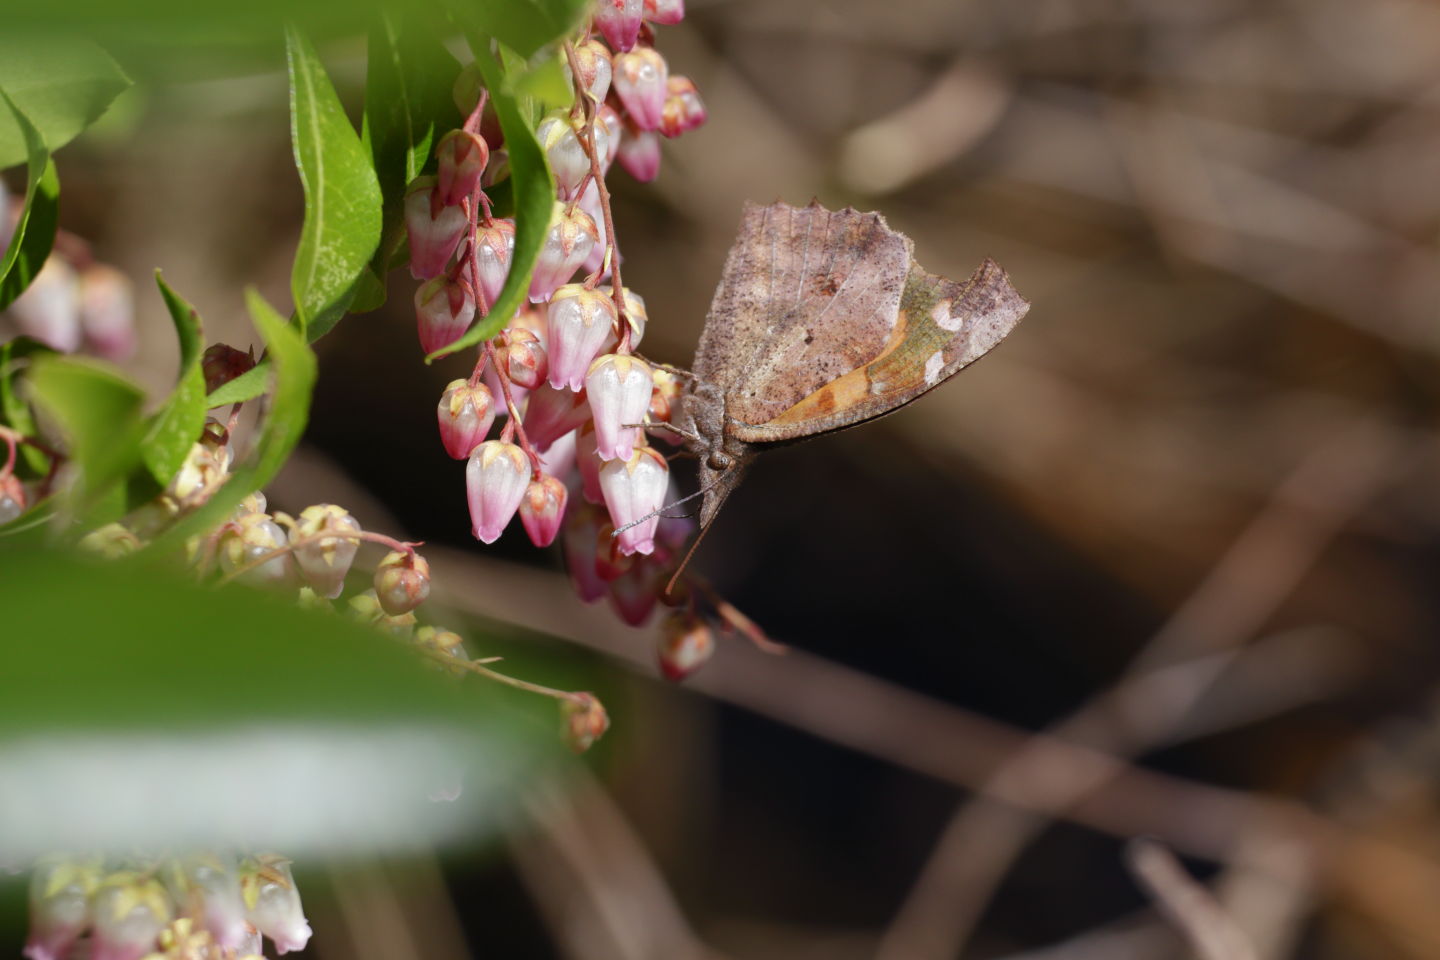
(640, 77)
(465, 413)
(685, 645)
(273, 903)
(129, 910)
(494, 250)
(639, 154)
(551, 413)
(434, 229)
(569, 241)
(568, 159)
(542, 509)
(582, 530)
(619, 388)
(560, 458)
(60, 891)
(325, 559)
(250, 538)
(495, 482)
(636, 315)
(462, 156)
(587, 464)
(608, 117)
(619, 21)
(635, 489)
(525, 359)
(594, 60)
(590, 202)
(579, 322)
(665, 12)
(107, 311)
(634, 593)
(444, 310)
(49, 309)
(402, 582)
(208, 886)
(684, 110)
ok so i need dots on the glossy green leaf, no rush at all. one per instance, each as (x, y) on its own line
(292, 363)
(522, 25)
(342, 195)
(62, 83)
(408, 108)
(546, 82)
(177, 424)
(35, 230)
(99, 412)
(533, 188)
(249, 385)
(14, 410)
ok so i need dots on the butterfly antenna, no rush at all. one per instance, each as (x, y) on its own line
(656, 513)
(688, 554)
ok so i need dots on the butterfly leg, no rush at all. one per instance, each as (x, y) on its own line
(680, 372)
(678, 431)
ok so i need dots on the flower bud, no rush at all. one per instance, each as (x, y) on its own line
(684, 110)
(250, 538)
(434, 229)
(636, 315)
(448, 642)
(571, 237)
(12, 497)
(665, 12)
(366, 608)
(324, 560)
(495, 482)
(462, 156)
(498, 170)
(107, 311)
(640, 77)
(402, 582)
(587, 464)
(272, 902)
(465, 413)
(664, 397)
(542, 509)
(609, 117)
(208, 887)
(579, 322)
(49, 309)
(619, 388)
(583, 720)
(594, 60)
(582, 530)
(524, 357)
(633, 489)
(590, 202)
(183, 939)
(111, 541)
(568, 160)
(640, 155)
(223, 363)
(443, 312)
(60, 891)
(610, 563)
(619, 22)
(550, 413)
(129, 910)
(494, 250)
(686, 643)
(633, 594)
(254, 502)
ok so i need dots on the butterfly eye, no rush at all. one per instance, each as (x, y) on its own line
(718, 461)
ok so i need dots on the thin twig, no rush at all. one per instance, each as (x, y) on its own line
(1187, 904)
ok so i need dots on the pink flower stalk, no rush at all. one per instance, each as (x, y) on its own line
(587, 464)
(494, 250)
(568, 160)
(640, 155)
(323, 559)
(129, 911)
(465, 415)
(60, 892)
(665, 12)
(49, 309)
(444, 310)
(571, 237)
(463, 156)
(107, 311)
(582, 530)
(402, 582)
(686, 644)
(560, 458)
(640, 77)
(635, 489)
(619, 22)
(551, 413)
(434, 229)
(579, 322)
(524, 357)
(12, 497)
(251, 537)
(633, 594)
(542, 509)
(619, 388)
(594, 60)
(274, 903)
(495, 482)
(684, 110)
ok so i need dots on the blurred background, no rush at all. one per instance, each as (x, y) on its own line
(1121, 644)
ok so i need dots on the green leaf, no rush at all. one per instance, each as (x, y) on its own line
(62, 83)
(289, 728)
(98, 411)
(14, 357)
(342, 195)
(408, 107)
(249, 385)
(546, 82)
(35, 230)
(522, 25)
(534, 192)
(177, 425)
(293, 364)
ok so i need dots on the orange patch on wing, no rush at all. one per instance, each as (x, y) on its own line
(845, 391)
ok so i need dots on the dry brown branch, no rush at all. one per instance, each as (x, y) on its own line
(1187, 904)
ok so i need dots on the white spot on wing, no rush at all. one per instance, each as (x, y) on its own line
(933, 366)
(940, 313)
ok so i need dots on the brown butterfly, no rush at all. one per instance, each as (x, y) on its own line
(822, 321)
